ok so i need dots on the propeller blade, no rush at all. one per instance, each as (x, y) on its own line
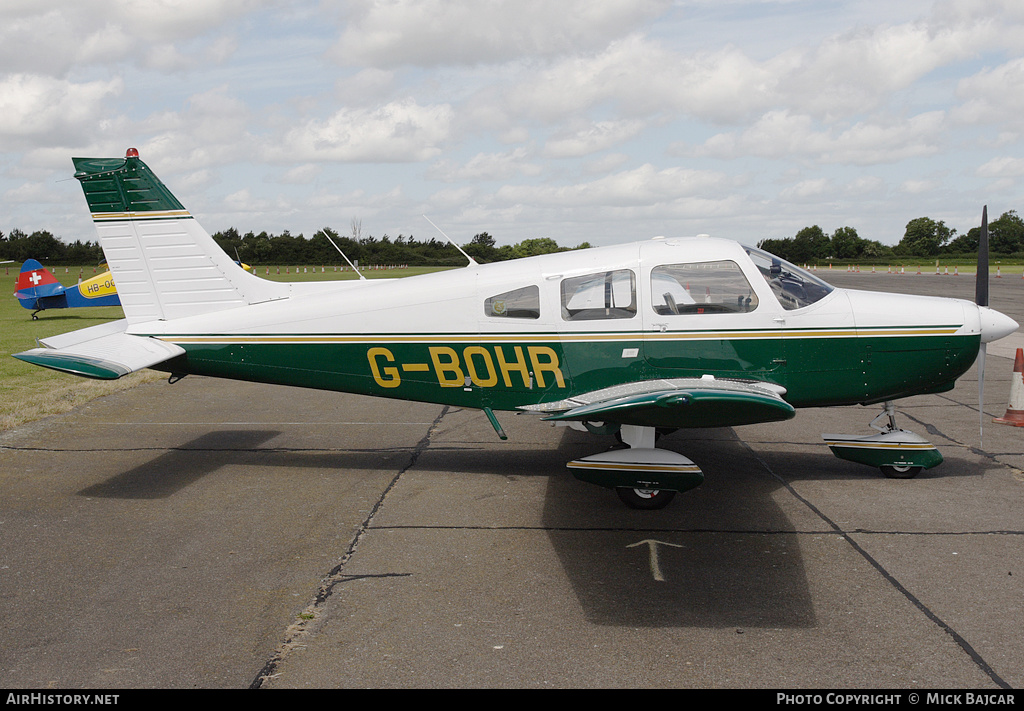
(981, 299)
(981, 396)
(981, 284)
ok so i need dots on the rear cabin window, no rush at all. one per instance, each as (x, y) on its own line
(604, 295)
(518, 303)
(701, 288)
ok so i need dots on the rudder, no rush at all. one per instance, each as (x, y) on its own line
(165, 265)
(36, 282)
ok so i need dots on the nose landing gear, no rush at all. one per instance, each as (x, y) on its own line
(898, 453)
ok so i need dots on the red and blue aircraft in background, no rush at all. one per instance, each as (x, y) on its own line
(37, 290)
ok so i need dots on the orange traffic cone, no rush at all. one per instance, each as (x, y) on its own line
(1015, 411)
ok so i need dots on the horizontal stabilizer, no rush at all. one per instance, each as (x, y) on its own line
(684, 402)
(104, 352)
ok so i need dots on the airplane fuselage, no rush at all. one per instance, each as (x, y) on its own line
(95, 291)
(546, 328)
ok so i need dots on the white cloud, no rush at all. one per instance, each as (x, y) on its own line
(805, 190)
(454, 198)
(642, 186)
(1002, 167)
(605, 164)
(167, 20)
(865, 185)
(54, 37)
(1000, 19)
(230, 96)
(303, 174)
(194, 181)
(781, 135)
(212, 130)
(168, 57)
(638, 77)
(857, 71)
(432, 32)
(993, 96)
(918, 187)
(402, 131)
(366, 86)
(30, 193)
(36, 108)
(841, 76)
(593, 138)
(486, 167)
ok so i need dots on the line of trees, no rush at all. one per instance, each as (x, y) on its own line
(285, 248)
(924, 237)
(18, 246)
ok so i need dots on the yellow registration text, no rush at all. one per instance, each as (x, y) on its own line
(480, 366)
(101, 285)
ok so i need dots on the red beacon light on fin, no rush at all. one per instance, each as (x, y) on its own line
(132, 153)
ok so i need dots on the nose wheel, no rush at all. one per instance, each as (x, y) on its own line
(647, 499)
(896, 471)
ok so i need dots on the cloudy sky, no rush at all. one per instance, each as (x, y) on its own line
(599, 120)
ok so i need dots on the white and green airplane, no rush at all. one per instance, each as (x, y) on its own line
(634, 339)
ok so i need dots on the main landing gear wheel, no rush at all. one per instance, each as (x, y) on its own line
(648, 499)
(897, 471)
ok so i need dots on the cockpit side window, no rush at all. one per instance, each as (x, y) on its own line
(604, 295)
(701, 288)
(518, 303)
(794, 287)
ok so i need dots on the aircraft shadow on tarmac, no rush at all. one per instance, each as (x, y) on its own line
(721, 555)
(822, 466)
(724, 554)
(185, 464)
(172, 471)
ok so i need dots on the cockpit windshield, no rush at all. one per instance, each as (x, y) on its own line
(794, 287)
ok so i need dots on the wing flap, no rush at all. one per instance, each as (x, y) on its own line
(103, 352)
(688, 402)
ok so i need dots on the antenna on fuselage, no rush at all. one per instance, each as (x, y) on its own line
(472, 262)
(343, 255)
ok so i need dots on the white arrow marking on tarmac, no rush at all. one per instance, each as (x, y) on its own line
(652, 545)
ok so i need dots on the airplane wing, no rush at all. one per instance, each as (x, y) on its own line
(103, 352)
(682, 402)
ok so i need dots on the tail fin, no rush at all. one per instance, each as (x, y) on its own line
(164, 263)
(36, 282)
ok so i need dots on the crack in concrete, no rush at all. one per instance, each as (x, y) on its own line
(964, 645)
(311, 619)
